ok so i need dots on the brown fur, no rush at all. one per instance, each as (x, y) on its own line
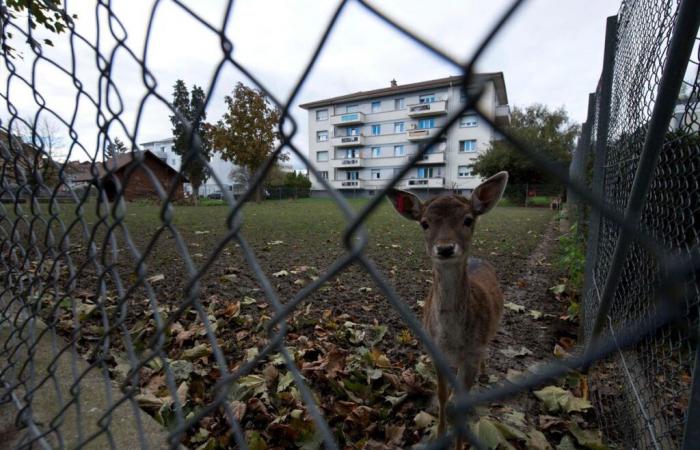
(463, 310)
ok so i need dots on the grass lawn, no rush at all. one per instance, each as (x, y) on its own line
(383, 367)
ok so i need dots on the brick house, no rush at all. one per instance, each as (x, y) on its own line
(131, 172)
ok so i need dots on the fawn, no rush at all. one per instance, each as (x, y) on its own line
(464, 307)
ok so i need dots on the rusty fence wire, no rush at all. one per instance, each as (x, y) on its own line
(641, 292)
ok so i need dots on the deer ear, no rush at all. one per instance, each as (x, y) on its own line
(488, 193)
(405, 203)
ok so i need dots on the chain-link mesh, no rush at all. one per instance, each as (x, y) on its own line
(642, 393)
(68, 255)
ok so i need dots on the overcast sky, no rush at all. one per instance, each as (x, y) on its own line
(550, 52)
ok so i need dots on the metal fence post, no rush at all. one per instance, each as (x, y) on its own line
(603, 95)
(577, 169)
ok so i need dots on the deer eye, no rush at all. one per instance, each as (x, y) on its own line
(468, 221)
(424, 224)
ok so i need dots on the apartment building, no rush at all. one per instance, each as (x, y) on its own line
(359, 141)
(163, 149)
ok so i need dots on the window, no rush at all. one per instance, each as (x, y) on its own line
(352, 153)
(162, 149)
(427, 98)
(376, 107)
(352, 175)
(467, 146)
(463, 95)
(322, 136)
(376, 152)
(376, 174)
(424, 124)
(352, 131)
(322, 114)
(376, 130)
(398, 127)
(322, 156)
(324, 174)
(425, 172)
(352, 108)
(399, 150)
(464, 171)
(469, 121)
(399, 103)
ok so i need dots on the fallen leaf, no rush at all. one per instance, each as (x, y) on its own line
(285, 381)
(275, 243)
(281, 273)
(510, 352)
(515, 307)
(556, 399)
(156, 278)
(537, 315)
(181, 369)
(566, 443)
(536, 440)
(232, 310)
(394, 435)
(182, 391)
(559, 352)
(591, 439)
(558, 289)
(423, 420)
(196, 352)
(546, 422)
(238, 409)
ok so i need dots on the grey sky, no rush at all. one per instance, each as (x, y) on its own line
(551, 53)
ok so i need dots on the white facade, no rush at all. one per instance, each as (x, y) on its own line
(163, 149)
(359, 141)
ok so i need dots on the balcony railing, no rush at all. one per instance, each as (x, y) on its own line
(348, 184)
(348, 141)
(503, 115)
(346, 162)
(350, 118)
(436, 182)
(432, 158)
(421, 134)
(428, 109)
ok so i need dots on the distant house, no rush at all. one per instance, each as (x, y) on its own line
(23, 166)
(163, 149)
(131, 172)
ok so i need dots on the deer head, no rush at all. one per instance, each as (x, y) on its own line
(448, 220)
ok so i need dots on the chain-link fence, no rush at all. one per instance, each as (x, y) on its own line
(639, 152)
(58, 370)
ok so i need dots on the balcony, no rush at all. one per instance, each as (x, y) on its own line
(342, 163)
(357, 140)
(421, 134)
(348, 184)
(427, 109)
(423, 183)
(432, 158)
(351, 118)
(503, 115)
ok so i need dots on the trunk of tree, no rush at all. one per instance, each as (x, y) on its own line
(259, 193)
(195, 192)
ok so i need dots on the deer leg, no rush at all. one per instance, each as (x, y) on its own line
(468, 372)
(442, 392)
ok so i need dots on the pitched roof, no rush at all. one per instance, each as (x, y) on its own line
(83, 171)
(496, 77)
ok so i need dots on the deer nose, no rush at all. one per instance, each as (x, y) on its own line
(445, 250)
